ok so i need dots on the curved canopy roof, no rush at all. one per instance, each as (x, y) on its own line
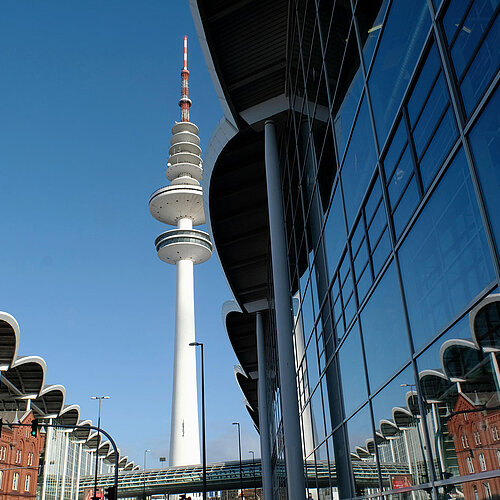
(22, 380)
(484, 322)
(9, 340)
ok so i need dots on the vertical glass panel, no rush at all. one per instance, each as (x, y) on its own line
(360, 433)
(445, 260)
(360, 260)
(307, 314)
(364, 283)
(452, 20)
(424, 84)
(370, 14)
(352, 370)
(335, 235)
(312, 363)
(318, 420)
(438, 149)
(377, 225)
(400, 178)
(385, 335)
(431, 114)
(470, 33)
(396, 57)
(381, 252)
(482, 70)
(359, 163)
(485, 144)
(398, 428)
(405, 208)
(393, 154)
(373, 199)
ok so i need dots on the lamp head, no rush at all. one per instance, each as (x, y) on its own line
(195, 344)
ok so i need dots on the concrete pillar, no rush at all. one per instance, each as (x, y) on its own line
(65, 466)
(78, 470)
(265, 441)
(184, 434)
(284, 325)
(48, 450)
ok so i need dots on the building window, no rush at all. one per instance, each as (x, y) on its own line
(15, 481)
(498, 457)
(477, 438)
(465, 442)
(27, 483)
(482, 462)
(487, 491)
(470, 465)
(494, 433)
(1, 478)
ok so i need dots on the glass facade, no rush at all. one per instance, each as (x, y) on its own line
(392, 205)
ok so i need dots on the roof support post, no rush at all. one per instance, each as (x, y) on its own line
(65, 464)
(284, 325)
(48, 451)
(265, 444)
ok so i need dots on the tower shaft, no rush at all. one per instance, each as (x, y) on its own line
(184, 434)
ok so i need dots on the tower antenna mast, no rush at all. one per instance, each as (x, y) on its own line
(185, 101)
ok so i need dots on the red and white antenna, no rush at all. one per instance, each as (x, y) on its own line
(185, 101)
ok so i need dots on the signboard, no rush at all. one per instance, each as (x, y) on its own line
(88, 493)
(401, 481)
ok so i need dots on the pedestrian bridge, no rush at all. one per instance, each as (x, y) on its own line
(226, 476)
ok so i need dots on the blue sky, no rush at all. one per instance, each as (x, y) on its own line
(88, 96)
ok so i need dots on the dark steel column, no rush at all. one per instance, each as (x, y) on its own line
(265, 443)
(284, 324)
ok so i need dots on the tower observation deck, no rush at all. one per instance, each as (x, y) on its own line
(180, 204)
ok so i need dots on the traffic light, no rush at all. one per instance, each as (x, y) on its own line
(34, 427)
(110, 493)
(1, 423)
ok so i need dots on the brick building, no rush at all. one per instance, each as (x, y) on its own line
(19, 459)
(476, 435)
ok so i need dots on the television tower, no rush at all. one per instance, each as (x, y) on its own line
(180, 204)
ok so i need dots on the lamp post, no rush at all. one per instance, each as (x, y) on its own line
(239, 450)
(99, 398)
(253, 468)
(203, 437)
(144, 473)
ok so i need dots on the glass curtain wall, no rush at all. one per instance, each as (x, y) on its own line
(391, 182)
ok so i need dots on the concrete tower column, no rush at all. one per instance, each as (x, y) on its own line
(184, 434)
(284, 324)
(265, 442)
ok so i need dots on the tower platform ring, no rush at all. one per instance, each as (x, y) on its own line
(184, 244)
(185, 147)
(185, 136)
(184, 157)
(177, 169)
(185, 126)
(171, 203)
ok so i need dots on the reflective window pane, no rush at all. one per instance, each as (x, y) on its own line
(335, 234)
(406, 207)
(470, 33)
(424, 84)
(485, 144)
(359, 163)
(482, 70)
(399, 180)
(360, 433)
(445, 260)
(438, 149)
(393, 155)
(399, 49)
(383, 358)
(352, 371)
(399, 428)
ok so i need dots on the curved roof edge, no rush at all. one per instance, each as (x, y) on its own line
(202, 37)
(10, 320)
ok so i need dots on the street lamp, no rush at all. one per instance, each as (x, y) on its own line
(239, 450)
(99, 398)
(253, 468)
(203, 438)
(144, 473)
